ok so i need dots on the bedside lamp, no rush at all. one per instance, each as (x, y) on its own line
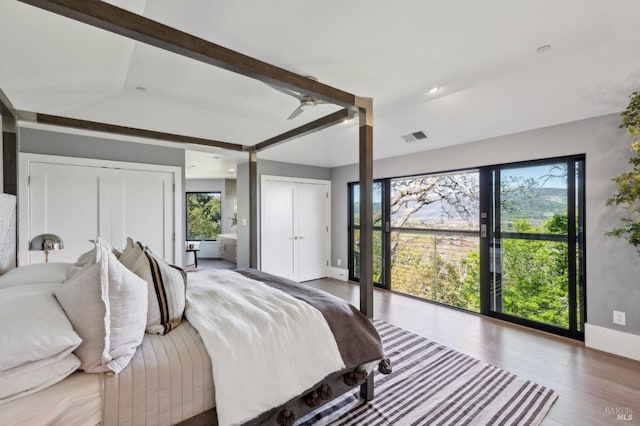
(46, 243)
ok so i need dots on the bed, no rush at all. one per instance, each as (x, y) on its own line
(190, 397)
(272, 375)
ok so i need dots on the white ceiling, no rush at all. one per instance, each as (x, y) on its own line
(481, 54)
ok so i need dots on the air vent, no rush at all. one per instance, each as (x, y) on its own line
(415, 136)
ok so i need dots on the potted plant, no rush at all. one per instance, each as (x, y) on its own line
(627, 195)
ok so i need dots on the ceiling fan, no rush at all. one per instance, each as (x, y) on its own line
(306, 101)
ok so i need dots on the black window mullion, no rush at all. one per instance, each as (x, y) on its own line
(386, 233)
(485, 239)
(571, 249)
(581, 214)
(351, 233)
(496, 243)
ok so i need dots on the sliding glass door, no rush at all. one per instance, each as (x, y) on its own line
(506, 241)
(535, 244)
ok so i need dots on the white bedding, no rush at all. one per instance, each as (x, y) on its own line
(80, 406)
(281, 346)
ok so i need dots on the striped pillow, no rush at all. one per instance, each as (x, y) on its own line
(167, 287)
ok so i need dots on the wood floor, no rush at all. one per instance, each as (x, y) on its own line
(591, 384)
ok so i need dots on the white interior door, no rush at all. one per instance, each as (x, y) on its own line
(142, 208)
(312, 230)
(65, 200)
(277, 229)
(295, 227)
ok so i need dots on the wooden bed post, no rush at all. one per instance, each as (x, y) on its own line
(9, 146)
(253, 208)
(365, 108)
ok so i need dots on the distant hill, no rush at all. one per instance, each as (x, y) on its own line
(537, 205)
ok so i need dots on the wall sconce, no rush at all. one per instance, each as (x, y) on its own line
(46, 243)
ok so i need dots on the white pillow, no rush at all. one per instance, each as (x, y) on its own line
(34, 376)
(167, 286)
(107, 305)
(55, 272)
(34, 327)
(90, 256)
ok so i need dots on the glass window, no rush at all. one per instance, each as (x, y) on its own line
(378, 211)
(434, 238)
(203, 215)
(442, 201)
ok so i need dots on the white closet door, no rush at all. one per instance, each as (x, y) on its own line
(277, 229)
(142, 208)
(65, 200)
(312, 231)
(294, 227)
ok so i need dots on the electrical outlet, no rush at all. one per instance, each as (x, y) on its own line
(619, 318)
(339, 262)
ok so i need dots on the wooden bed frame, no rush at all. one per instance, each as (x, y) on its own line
(138, 28)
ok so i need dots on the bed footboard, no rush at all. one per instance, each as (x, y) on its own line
(326, 391)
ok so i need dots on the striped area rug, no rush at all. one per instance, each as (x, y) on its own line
(434, 385)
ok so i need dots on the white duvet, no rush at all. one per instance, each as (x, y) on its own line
(266, 347)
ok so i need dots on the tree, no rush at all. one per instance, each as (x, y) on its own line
(457, 194)
(627, 194)
(203, 216)
(534, 275)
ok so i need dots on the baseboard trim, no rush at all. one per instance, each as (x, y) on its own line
(339, 274)
(612, 341)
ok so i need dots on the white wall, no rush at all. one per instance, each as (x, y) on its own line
(613, 266)
(230, 205)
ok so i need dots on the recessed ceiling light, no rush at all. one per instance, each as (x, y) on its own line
(432, 90)
(141, 89)
(230, 170)
(543, 48)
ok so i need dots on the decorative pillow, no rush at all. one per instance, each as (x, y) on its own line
(90, 256)
(107, 305)
(38, 273)
(167, 285)
(34, 376)
(34, 327)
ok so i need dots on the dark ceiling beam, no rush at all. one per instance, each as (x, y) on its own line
(305, 129)
(6, 108)
(111, 18)
(127, 131)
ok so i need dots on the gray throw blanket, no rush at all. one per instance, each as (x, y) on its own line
(357, 338)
